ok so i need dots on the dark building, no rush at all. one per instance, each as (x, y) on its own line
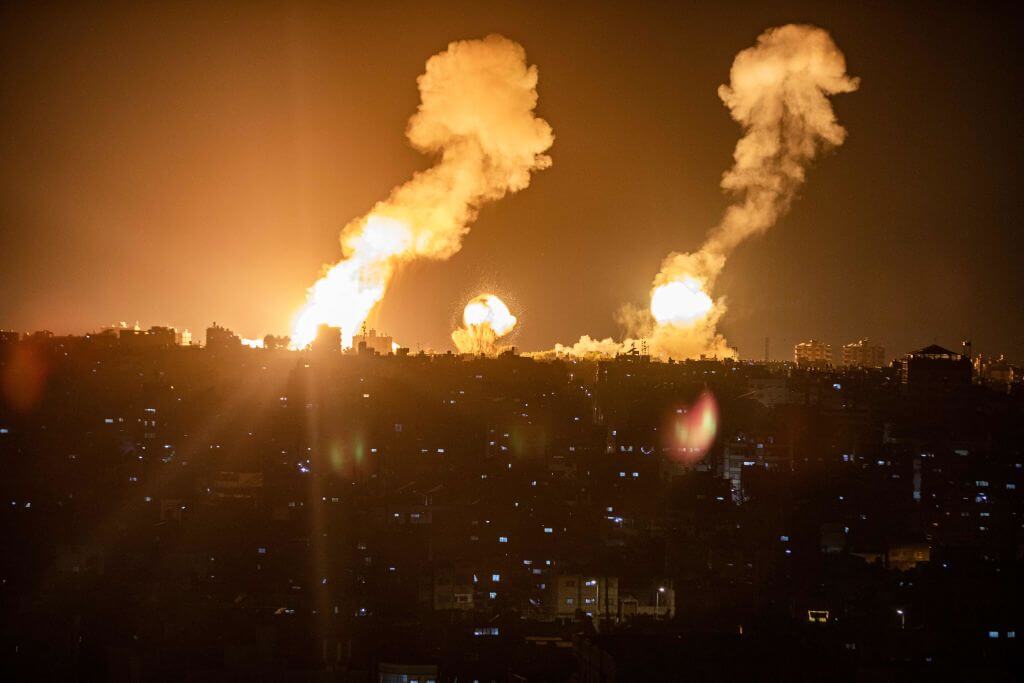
(328, 340)
(934, 368)
(275, 342)
(163, 337)
(221, 339)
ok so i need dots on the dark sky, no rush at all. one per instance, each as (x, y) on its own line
(183, 163)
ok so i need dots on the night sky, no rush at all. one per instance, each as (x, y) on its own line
(184, 163)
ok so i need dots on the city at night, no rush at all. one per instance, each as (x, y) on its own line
(511, 342)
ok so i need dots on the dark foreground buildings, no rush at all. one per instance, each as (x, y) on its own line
(192, 514)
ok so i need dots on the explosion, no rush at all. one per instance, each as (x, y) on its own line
(680, 302)
(778, 92)
(476, 114)
(486, 318)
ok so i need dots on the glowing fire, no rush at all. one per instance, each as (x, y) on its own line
(347, 292)
(476, 119)
(488, 309)
(486, 318)
(252, 343)
(680, 302)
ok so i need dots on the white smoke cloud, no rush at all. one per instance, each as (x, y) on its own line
(592, 348)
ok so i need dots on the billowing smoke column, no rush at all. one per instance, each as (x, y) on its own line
(778, 92)
(477, 115)
(485, 319)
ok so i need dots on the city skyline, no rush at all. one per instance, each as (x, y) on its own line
(222, 203)
(580, 342)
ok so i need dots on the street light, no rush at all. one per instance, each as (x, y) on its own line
(903, 619)
(657, 601)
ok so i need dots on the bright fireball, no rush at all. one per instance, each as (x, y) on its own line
(680, 302)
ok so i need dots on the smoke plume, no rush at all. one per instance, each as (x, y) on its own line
(779, 93)
(477, 116)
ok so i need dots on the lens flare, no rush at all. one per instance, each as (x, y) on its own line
(486, 318)
(680, 302)
(23, 377)
(693, 431)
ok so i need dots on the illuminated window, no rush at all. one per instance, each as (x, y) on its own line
(817, 616)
